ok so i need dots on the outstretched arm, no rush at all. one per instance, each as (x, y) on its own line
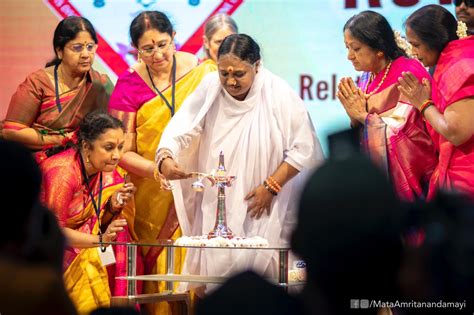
(85, 240)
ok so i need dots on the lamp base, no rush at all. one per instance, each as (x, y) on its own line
(221, 230)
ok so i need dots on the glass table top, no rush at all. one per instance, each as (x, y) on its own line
(170, 243)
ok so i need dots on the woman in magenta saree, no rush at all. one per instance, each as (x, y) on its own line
(448, 103)
(145, 98)
(394, 134)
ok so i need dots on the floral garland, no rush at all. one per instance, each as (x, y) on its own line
(461, 31)
(403, 43)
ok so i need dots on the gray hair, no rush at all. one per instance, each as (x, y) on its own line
(217, 22)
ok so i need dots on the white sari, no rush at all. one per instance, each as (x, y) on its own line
(257, 134)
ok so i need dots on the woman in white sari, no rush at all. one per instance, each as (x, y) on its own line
(266, 134)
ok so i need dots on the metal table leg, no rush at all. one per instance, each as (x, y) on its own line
(283, 268)
(169, 266)
(131, 269)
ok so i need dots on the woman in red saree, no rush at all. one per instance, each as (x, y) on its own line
(86, 192)
(395, 136)
(448, 103)
(51, 102)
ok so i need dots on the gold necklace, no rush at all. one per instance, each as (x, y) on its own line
(367, 96)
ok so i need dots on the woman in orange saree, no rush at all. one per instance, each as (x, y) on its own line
(50, 103)
(395, 136)
(92, 204)
(145, 99)
(448, 104)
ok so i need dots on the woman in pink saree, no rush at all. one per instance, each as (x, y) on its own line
(448, 103)
(86, 192)
(145, 98)
(394, 134)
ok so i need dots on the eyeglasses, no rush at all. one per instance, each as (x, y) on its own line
(151, 51)
(468, 3)
(78, 48)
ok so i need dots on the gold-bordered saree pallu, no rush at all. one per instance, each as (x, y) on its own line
(395, 136)
(34, 103)
(155, 214)
(85, 278)
(65, 193)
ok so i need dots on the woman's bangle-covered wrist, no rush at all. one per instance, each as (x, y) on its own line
(161, 155)
(157, 169)
(273, 184)
(428, 102)
(269, 188)
(160, 163)
(425, 106)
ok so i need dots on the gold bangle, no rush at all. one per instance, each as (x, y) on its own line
(156, 174)
(161, 153)
(425, 104)
(160, 156)
(422, 112)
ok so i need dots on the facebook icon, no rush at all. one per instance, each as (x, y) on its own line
(364, 304)
(355, 304)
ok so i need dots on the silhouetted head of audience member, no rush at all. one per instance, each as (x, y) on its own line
(31, 231)
(19, 189)
(31, 242)
(250, 294)
(47, 242)
(348, 232)
(440, 269)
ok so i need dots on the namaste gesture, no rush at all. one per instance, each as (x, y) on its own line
(411, 88)
(353, 100)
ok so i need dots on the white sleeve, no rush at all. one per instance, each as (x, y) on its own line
(302, 148)
(188, 122)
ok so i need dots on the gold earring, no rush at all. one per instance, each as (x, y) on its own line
(380, 54)
(139, 58)
(88, 161)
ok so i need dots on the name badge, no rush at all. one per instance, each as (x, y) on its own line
(107, 257)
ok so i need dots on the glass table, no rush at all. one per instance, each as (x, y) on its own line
(170, 277)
